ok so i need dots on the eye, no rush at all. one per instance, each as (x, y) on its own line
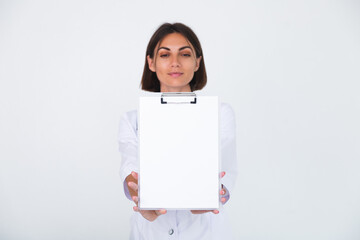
(164, 55)
(186, 54)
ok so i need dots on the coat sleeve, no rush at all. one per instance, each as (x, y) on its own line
(128, 147)
(228, 146)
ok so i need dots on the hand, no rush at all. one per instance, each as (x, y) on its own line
(151, 215)
(223, 200)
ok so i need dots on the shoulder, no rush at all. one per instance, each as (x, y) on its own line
(128, 121)
(226, 110)
(130, 116)
(227, 122)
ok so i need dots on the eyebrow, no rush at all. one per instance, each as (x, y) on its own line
(169, 48)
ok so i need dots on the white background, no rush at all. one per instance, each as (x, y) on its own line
(290, 69)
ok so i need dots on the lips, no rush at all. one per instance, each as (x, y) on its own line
(175, 74)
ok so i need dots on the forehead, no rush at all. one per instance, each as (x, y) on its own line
(174, 40)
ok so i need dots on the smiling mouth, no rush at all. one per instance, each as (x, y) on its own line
(175, 74)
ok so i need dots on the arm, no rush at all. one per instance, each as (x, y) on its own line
(228, 148)
(128, 147)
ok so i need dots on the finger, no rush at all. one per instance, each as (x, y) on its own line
(135, 175)
(133, 186)
(222, 192)
(222, 174)
(215, 211)
(160, 212)
(200, 211)
(135, 199)
(136, 208)
(223, 200)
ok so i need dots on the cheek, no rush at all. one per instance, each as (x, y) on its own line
(191, 66)
(160, 67)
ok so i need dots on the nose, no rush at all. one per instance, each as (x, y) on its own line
(175, 61)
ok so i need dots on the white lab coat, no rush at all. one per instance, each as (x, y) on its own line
(182, 224)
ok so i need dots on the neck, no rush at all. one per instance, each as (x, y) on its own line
(175, 89)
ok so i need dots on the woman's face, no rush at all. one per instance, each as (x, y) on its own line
(175, 63)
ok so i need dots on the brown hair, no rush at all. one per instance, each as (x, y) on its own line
(149, 81)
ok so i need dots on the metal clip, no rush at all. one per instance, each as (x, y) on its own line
(178, 98)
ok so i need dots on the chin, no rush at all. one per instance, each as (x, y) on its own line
(174, 86)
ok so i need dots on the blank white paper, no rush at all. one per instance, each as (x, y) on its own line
(179, 154)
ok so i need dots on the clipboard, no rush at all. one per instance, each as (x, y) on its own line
(179, 152)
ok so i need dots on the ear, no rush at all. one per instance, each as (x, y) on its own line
(198, 63)
(151, 63)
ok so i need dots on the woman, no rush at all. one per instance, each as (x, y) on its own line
(175, 63)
